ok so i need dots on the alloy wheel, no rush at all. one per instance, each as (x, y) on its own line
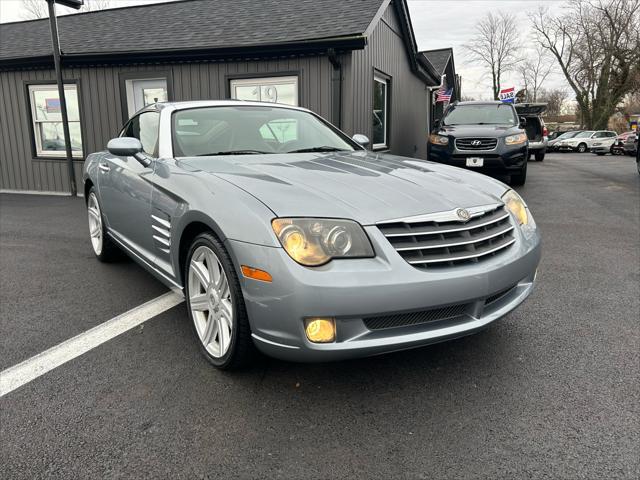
(95, 223)
(210, 301)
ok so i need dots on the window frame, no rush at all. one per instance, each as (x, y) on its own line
(386, 81)
(125, 77)
(255, 78)
(30, 117)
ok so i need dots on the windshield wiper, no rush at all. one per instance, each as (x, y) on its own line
(318, 149)
(233, 152)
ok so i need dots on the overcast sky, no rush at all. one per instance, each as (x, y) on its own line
(437, 24)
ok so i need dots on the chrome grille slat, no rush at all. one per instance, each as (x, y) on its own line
(476, 143)
(429, 244)
(435, 229)
(441, 243)
(454, 258)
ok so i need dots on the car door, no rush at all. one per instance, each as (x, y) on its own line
(125, 187)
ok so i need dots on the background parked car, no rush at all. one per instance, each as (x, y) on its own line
(603, 146)
(630, 145)
(484, 136)
(535, 128)
(618, 145)
(585, 140)
(552, 145)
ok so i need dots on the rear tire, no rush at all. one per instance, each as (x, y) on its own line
(216, 306)
(540, 157)
(519, 179)
(104, 248)
(582, 148)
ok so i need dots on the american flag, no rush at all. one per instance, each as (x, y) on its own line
(444, 95)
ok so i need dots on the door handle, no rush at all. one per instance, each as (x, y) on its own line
(104, 167)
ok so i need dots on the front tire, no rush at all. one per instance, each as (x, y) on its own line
(519, 179)
(582, 148)
(216, 305)
(103, 247)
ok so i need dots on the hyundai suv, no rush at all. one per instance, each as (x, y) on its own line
(483, 136)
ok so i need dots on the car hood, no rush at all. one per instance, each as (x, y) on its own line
(363, 186)
(479, 130)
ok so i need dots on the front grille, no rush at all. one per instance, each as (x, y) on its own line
(415, 318)
(476, 143)
(432, 244)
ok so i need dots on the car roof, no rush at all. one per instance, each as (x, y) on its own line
(225, 103)
(480, 102)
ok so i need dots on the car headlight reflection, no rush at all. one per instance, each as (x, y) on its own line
(516, 139)
(516, 206)
(313, 241)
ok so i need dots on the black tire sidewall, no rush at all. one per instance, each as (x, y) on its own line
(210, 241)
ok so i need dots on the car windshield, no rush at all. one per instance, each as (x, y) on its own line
(488, 114)
(584, 134)
(246, 130)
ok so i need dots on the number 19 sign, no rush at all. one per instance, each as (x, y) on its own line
(507, 95)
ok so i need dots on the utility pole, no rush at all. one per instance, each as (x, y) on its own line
(53, 22)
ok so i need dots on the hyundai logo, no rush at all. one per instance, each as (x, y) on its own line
(476, 143)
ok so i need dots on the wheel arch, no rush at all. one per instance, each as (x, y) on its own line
(193, 225)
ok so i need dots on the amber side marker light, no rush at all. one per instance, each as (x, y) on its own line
(320, 330)
(256, 274)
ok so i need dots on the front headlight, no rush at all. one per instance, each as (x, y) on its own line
(516, 206)
(438, 139)
(315, 241)
(516, 139)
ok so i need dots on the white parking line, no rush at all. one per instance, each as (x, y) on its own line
(18, 375)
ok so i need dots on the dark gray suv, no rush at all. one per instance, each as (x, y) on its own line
(484, 136)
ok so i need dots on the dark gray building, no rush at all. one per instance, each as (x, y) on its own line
(354, 62)
(442, 61)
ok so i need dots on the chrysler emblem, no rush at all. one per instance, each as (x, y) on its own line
(463, 214)
(476, 143)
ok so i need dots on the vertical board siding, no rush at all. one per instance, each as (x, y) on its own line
(102, 117)
(386, 52)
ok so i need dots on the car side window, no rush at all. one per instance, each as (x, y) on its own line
(144, 127)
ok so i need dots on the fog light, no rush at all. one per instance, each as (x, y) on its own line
(320, 330)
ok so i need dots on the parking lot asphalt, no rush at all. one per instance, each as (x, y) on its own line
(550, 391)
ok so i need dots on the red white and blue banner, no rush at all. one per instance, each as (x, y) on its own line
(507, 95)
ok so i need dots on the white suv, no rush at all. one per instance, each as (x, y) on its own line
(585, 140)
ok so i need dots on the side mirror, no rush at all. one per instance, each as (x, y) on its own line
(360, 139)
(523, 122)
(128, 147)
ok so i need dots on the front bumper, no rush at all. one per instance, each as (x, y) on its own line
(353, 290)
(502, 160)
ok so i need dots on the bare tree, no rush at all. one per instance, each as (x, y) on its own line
(555, 99)
(94, 5)
(495, 45)
(39, 9)
(533, 71)
(34, 9)
(597, 45)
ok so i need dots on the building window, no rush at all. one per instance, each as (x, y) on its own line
(143, 92)
(380, 112)
(47, 120)
(269, 89)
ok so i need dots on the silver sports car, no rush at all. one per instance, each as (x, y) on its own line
(285, 234)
